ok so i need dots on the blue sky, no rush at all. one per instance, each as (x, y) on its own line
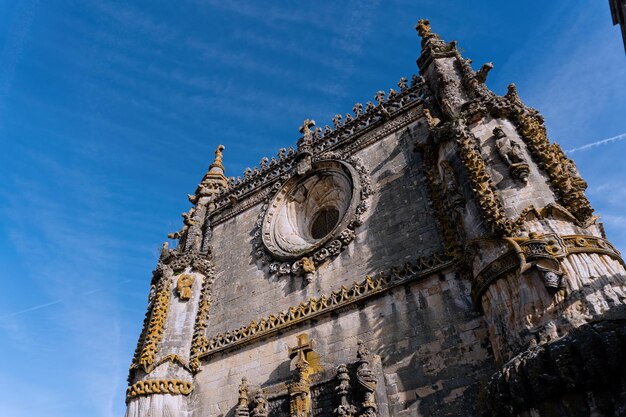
(110, 113)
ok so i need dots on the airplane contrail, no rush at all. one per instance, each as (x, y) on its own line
(598, 143)
(40, 306)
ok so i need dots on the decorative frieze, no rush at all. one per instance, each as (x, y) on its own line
(315, 307)
(159, 386)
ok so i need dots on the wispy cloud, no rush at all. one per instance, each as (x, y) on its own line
(598, 143)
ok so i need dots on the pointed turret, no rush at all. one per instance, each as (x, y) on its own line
(214, 180)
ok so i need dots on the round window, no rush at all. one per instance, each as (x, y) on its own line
(309, 210)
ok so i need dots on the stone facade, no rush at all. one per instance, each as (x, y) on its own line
(431, 254)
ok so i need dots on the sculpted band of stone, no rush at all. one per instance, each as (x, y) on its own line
(156, 325)
(159, 386)
(548, 246)
(173, 358)
(199, 341)
(337, 299)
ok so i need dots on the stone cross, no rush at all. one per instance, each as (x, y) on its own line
(302, 348)
(306, 126)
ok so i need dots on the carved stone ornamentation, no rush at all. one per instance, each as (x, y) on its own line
(300, 390)
(315, 307)
(344, 409)
(512, 155)
(260, 405)
(242, 409)
(367, 382)
(161, 386)
(183, 286)
(312, 217)
(156, 325)
(543, 252)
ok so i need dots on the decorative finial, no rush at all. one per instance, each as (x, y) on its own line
(423, 27)
(218, 157)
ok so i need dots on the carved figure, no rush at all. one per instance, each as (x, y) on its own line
(369, 106)
(454, 198)
(242, 409)
(261, 405)
(512, 154)
(403, 84)
(183, 286)
(358, 109)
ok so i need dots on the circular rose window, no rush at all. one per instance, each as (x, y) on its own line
(310, 210)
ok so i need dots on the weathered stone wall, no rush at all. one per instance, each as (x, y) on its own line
(399, 226)
(433, 348)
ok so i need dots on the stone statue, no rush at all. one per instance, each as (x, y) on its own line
(453, 196)
(242, 409)
(261, 405)
(511, 153)
(183, 286)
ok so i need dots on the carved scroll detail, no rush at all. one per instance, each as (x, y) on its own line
(199, 342)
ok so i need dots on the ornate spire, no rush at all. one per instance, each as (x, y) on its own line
(367, 381)
(217, 162)
(214, 180)
(345, 409)
(432, 45)
(242, 409)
